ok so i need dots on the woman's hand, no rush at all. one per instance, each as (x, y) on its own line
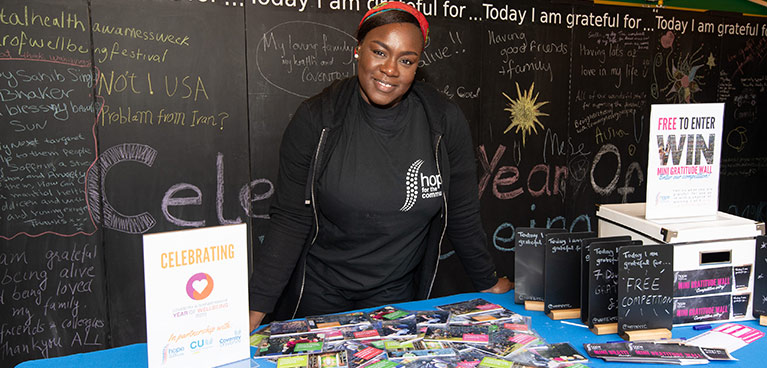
(255, 319)
(502, 286)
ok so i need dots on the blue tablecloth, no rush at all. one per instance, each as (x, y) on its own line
(135, 356)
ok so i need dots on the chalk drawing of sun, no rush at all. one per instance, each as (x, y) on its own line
(524, 112)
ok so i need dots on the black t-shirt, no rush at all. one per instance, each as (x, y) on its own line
(376, 198)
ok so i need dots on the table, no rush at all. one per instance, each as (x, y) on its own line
(572, 331)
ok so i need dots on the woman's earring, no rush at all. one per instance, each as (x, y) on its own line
(356, 56)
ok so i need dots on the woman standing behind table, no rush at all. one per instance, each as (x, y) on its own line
(375, 172)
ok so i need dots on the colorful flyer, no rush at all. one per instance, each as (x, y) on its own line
(684, 160)
(730, 336)
(196, 296)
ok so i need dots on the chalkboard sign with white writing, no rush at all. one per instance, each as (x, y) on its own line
(740, 305)
(602, 286)
(529, 263)
(742, 276)
(645, 287)
(585, 272)
(561, 289)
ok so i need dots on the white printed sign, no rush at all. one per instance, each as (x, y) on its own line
(196, 296)
(684, 160)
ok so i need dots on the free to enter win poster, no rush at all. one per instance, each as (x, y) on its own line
(684, 160)
(196, 296)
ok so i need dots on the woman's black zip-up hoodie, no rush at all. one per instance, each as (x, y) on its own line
(279, 263)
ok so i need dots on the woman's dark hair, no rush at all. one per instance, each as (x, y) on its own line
(384, 18)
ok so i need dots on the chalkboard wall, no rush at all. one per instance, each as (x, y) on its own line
(119, 119)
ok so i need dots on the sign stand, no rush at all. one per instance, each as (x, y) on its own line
(196, 283)
(682, 175)
(605, 329)
(532, 305)
(641, 335)
(645, 292)
(558, 314)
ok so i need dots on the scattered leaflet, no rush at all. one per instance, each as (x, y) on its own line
(257, 339)
(505, 342)
(288, 327)
(385, 364)
(470, 307)
(431, 318)
(336, 320)
(470, 357)
(359, 353)
(489, 362)
(655, 353)
(330, 359)
(291, 344)
(398, 329)
(365, 331)
(389, 313)
(557, 355)
(729, 336)
(409, 355)
(441, 362)
(458, 333)
(494, 317)
(396, 346)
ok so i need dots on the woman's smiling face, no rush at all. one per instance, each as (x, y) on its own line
(388, 59)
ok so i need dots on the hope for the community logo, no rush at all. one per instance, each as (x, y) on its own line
(199, 286)
(429, 185)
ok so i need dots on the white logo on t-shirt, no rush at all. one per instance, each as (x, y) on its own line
(429, 185)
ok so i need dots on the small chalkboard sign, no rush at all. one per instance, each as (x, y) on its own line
(703, 281)
(645, 288)
(741, 274)
(760, 278)
(740, 305)
(529, 263)
(602, 284)
(585, 245)
(702, 309)
(561, 286)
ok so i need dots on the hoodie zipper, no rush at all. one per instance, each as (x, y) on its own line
(314, 165)
(444, 220)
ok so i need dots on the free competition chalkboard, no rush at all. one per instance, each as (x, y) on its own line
(602, 283)
(760, 277)
(645, 287)
(585, 259)
(561, 262)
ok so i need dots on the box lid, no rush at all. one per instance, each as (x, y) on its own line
(680, 230)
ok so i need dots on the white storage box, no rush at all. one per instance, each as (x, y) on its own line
(704, 250)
